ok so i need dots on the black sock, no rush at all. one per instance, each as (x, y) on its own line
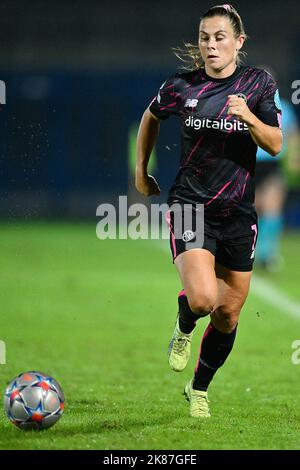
(187, 318)
(215, 348)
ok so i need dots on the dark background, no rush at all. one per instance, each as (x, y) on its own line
(79, 75)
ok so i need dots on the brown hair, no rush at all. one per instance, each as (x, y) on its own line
(190, 53)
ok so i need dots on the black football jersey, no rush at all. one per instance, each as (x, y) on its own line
(218, 154)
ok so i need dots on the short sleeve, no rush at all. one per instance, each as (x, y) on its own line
(269, 106)
(165, 103)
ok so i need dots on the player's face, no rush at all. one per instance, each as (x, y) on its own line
(217, 44)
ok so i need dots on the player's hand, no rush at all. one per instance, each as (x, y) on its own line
(238, 107)
(147, 185)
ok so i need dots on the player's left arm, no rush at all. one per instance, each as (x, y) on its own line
(265, 136)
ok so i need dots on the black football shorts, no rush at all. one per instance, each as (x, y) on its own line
(230, 239)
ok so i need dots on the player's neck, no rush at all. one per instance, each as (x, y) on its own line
(224, 73)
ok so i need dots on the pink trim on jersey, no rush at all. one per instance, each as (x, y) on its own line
(206, 333)
(223, 109)
(190, 84)
(235, 190)
(168, 220)
(194, 149)
(235, 89)
(181, 293)
(203, 89)
(238, 83)
(250, 94)
(243, 190)
(169, 86)
(168, 106)
(221, 190)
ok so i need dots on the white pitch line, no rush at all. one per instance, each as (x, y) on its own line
(268, 292)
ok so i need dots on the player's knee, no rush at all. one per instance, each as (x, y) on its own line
(230, 324)
(201, 304)
(227, 318)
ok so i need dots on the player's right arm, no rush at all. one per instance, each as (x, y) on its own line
(161, 107)
(146, 139)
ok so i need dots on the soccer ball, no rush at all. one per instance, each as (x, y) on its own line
(34, 400)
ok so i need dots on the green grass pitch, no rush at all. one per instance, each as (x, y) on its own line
(98, 316)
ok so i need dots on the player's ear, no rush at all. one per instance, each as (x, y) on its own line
(240, 42)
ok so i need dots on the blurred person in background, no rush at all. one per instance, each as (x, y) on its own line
(226, 111)
(271, 189)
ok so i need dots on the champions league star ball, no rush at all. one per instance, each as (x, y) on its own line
(34, 401)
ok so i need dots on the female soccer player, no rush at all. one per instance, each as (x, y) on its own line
(226, 111)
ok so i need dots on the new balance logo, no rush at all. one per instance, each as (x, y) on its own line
(191, 103)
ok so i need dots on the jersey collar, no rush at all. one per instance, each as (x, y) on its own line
(226, 79)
